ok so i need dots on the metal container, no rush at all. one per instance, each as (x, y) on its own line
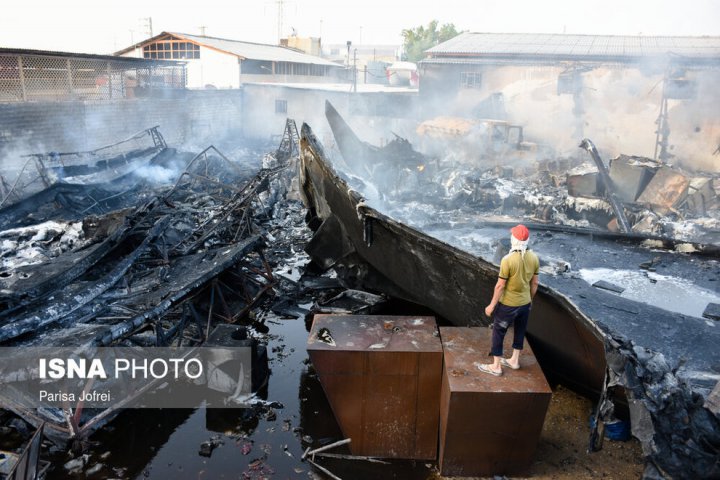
(488, 425)
(381, 375)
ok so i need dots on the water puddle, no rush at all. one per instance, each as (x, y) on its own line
(670, 293)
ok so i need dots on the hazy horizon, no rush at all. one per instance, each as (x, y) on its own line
(106, 27)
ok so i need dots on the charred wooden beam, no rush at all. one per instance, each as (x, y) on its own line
(177, 295)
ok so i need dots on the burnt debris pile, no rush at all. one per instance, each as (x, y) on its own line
(160, 267)
(171, 264)
(136, 267)
(636, 196)
(84, 181)
(486, 168)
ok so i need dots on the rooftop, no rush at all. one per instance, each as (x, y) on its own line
(243, 50)
(627, 47)
(140, 62)
(339, 87)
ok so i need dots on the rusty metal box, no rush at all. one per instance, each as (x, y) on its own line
(488, 425)
(381, 375)
(667, 189)
(630, 175)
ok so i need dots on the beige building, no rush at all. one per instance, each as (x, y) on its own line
(309, 45)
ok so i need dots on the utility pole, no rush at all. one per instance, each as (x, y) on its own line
(355, 70)
(280, 4)
(662, 134)
(202, 30)
(147, 25)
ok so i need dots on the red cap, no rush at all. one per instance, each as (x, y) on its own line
(520, 232)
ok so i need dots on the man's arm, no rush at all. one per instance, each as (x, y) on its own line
(533, 286)
(497, 292)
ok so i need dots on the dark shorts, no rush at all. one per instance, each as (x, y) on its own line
(503, 318)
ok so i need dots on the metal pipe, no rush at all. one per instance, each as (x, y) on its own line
(609, 185)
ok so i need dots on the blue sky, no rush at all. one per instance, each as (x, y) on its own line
(106, 26)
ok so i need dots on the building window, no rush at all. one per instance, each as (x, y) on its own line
(280, 106)
(470, 79)
(171, 50)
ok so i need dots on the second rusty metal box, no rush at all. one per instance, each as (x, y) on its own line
(488, 425)
(381, 375)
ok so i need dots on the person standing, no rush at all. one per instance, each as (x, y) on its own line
(512, 297)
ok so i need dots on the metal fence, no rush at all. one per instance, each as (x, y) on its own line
(45, 77)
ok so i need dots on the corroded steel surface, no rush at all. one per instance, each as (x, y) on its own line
(382, 379)
(488, 425)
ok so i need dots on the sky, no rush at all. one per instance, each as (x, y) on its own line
(105, 26)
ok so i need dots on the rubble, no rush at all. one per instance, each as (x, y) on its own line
(667, 189)
(631, 175)
(159, 267)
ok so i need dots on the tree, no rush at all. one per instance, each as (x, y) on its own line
(419, 39)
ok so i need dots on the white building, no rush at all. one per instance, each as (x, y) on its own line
(222, 63)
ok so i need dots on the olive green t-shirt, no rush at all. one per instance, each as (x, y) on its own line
(518, 271)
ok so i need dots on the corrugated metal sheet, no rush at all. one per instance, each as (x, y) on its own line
(256, 51)
(24, 52)
(532, 44)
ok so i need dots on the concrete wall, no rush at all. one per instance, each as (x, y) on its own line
(258, 78)
(373, 116)
(194, 117)
(617, 107)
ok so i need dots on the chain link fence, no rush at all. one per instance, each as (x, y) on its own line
(25, 77)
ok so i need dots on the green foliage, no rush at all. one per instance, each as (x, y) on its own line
(419, 39)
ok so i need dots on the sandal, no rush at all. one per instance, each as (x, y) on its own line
(505, 363)
(486, 369)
